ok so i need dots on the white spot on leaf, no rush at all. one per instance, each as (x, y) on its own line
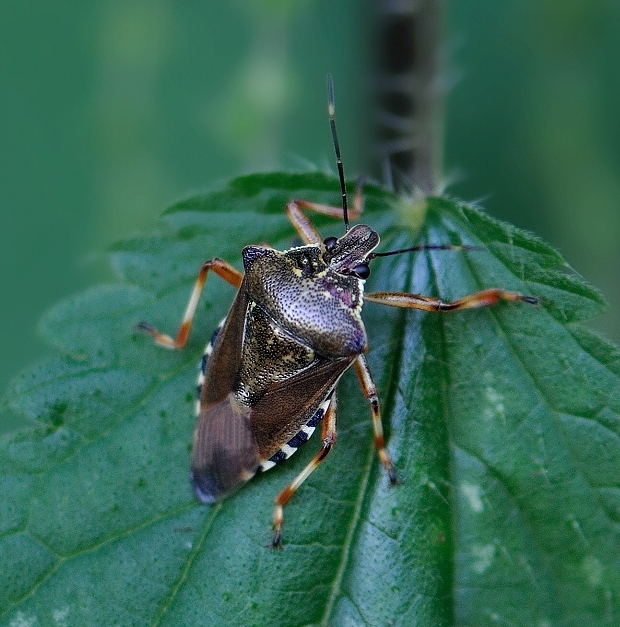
(495, 401)
(495, 409)
(473, 494)
(60, 617)
(21, 620)
(483, 557)
(593, 570)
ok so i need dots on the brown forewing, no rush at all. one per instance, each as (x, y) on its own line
(223, 364)
(286, 407)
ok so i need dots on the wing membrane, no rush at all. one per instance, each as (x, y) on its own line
(225, 454)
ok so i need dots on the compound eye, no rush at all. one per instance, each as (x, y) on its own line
(361, 271)
(330, 242)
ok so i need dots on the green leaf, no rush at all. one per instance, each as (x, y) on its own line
(502, 423)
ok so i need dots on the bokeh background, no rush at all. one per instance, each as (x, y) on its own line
(112, 109)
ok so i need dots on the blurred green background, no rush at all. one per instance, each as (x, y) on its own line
(110, 110)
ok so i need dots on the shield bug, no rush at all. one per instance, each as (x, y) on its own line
(270, 372)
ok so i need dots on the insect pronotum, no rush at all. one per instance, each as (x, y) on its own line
(270, 372)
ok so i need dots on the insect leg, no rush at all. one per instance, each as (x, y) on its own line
(302, 223)
(223, 270)
(370, 392)
(428, 303)
(328, 434)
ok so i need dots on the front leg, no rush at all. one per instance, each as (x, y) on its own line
(304, 227)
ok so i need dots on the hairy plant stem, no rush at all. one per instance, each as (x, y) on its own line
(410, 94)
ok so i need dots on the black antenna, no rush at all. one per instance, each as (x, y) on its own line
(331, 110)
(423, 247)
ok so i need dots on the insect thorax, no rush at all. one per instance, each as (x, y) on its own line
(308, 299)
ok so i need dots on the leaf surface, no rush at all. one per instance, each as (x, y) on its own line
(502, 423)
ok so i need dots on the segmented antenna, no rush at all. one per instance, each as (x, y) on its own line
(423, 247)
(331, 110)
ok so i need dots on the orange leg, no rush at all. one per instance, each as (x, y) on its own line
(304, 227)
(370, 392)
(428, 303)
(222, 269)
(328, 434)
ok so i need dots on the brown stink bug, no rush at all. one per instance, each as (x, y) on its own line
(270, 372)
